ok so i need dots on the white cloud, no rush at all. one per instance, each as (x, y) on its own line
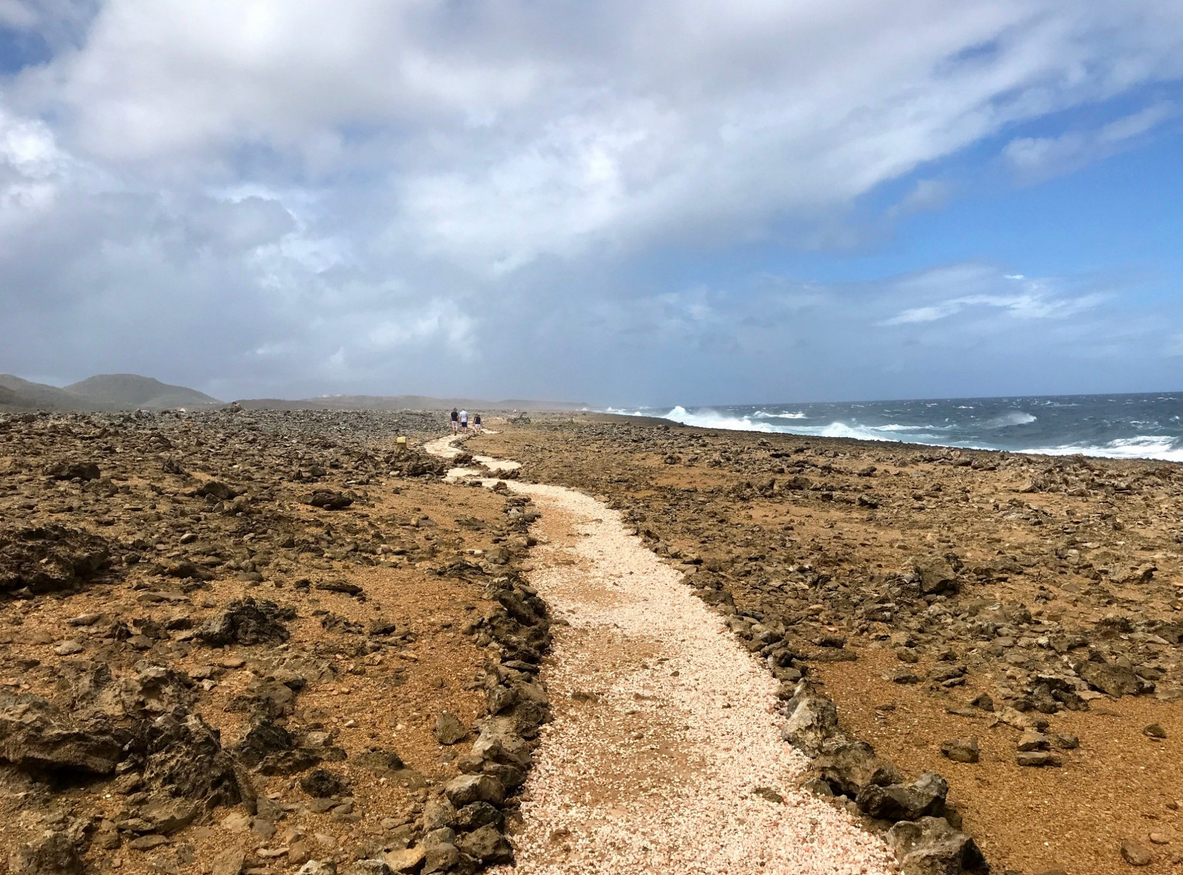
(510, 133)
(314, 192)
(1033, 300)
(32, 169)
(1039, 157)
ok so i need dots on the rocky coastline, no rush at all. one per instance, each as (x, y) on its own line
(999, 633)
(276, 641)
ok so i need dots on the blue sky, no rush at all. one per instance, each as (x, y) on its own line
(654, 202)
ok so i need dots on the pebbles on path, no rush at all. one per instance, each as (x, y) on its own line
(665, 751)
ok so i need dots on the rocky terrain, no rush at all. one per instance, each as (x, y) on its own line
(1010, 622)
(264, 641)
(239, 641)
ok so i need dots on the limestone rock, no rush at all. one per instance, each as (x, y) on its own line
(449, 729)
(229, 862)
(35, 734)
(1135, 853)
(467, 789)
(961, 750)
(486, 845)
(930, 846)
(408, 860)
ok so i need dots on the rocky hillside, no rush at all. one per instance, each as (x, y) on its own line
(124, 391)
(101, 393)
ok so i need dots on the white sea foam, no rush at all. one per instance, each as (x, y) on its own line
(1160, 447)
(796, 415)
(1014, 417)
(714, 419)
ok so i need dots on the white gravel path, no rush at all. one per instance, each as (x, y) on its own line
(665, 753)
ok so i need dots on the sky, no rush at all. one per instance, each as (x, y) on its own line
(621, 202)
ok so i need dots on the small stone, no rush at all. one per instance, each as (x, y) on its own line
(237, 821)
(317, 867)
(487, 845)
(769, 794)
(961, 750)
(69, 648)
(268, 809)
(366, 867)
(299, 854)
(1157, 838)
(1155, 730)
(449, 729)
(440, 857)
(405, 861)
(1037, 758)
(438, 813)
(1032, 740)
(984, 702)
(322, 784)
(474, 788)
(228, 862)
(147, 843)
(1067, 742)
(1135, 853)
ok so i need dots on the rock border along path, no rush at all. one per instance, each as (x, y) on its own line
(665, 751)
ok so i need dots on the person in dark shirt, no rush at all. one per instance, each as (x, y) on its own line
(455, 421)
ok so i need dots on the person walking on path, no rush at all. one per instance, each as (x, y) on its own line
(455, 421)
(476, 423)
(464, 421)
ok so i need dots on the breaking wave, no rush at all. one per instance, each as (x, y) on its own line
(1126, 427)
(1160, 447)
(1014, 417)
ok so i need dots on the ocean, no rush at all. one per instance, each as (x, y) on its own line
(1111, 426)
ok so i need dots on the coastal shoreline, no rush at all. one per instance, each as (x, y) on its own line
(1016, 608)
(938, 595)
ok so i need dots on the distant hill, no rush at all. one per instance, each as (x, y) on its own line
(103, 392)
(21, 394)
(403, 402)
(131, 390)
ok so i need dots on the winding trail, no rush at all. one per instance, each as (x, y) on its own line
(665, 753)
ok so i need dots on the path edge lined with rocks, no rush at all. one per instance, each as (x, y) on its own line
(915, 819)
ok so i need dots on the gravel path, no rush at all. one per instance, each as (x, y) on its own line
(664, 754)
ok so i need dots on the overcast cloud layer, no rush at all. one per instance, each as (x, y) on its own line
(621, 202)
